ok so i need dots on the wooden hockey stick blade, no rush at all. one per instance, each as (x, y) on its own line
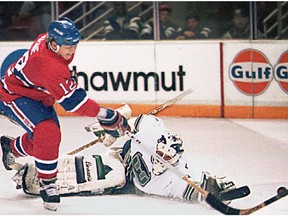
(169, 103)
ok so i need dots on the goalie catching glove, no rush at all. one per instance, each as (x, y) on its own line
(113, 122)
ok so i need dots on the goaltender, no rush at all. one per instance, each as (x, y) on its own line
(127, 167)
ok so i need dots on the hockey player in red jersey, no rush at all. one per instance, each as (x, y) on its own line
(28, 92)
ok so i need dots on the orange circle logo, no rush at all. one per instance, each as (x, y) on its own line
(251, 72)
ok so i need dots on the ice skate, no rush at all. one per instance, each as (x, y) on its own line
(49, 194)
(8, 157)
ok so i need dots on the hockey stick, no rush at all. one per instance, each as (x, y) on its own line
(210, 198)
(214, 202)
(169, 103)
(81, 148)
(90, 128)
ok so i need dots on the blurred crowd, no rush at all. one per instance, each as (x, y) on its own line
(25, 20)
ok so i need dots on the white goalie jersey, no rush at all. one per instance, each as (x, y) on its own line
(149, 142)
(148, 174)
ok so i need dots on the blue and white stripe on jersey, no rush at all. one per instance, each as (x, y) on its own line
(46, 166)
(26, 82)
(21, 76)
(74, 100)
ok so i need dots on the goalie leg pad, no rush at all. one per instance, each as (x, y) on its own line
(81, 174)
(101, 173)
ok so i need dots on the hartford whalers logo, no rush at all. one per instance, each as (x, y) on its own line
(281, 72)
(251, 72)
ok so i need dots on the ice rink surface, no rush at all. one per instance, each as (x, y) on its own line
(249, 152)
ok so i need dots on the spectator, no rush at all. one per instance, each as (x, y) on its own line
(40, 10)
(193, 29)
(168, 30)
(241, 27)
(7, 11)
(32, 19)
(122, 25)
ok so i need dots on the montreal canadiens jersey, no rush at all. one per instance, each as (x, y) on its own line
(167, 184)
(43, 75)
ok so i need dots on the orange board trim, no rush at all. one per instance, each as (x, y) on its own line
(213, 111)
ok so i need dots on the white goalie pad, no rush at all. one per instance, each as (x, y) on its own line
(93, 174)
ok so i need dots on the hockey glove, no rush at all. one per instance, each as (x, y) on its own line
(113, 122)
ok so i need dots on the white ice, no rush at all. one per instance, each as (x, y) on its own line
(249, 152)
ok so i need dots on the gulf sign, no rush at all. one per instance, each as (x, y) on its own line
(281, 72)
(251, 72)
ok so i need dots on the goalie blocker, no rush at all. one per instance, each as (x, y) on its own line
(77, 175)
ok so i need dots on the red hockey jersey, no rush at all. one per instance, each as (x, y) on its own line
(43, 75)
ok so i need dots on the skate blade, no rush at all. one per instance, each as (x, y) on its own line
(50, 206)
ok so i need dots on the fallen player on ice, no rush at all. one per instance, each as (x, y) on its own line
(130, 169)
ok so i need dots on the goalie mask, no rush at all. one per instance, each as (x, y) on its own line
(169, 147)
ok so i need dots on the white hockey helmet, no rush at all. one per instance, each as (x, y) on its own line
(169, 147)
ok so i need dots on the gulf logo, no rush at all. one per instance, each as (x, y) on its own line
(251, 72)
(281, 72)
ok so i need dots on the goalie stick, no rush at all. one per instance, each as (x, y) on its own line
(214, 202)
(100, 132)
(210, 198)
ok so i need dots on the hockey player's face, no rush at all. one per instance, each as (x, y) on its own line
(67, 51)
